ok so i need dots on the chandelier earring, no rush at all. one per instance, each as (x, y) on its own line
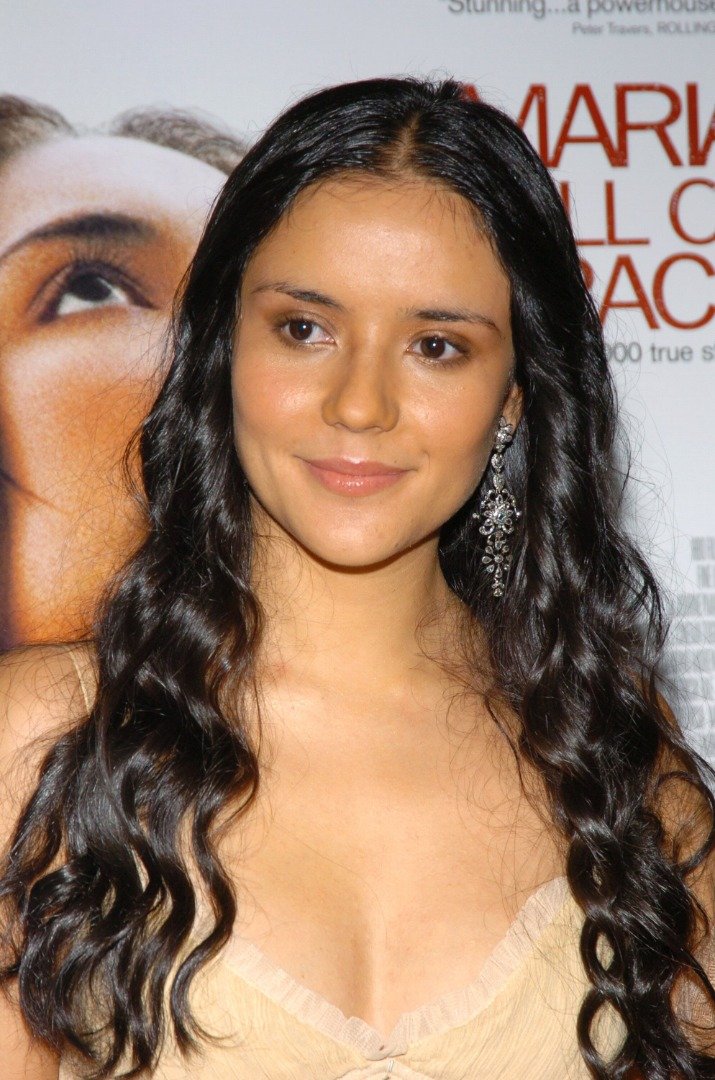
(498, 514)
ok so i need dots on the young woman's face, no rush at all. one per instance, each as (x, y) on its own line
(374, 328)
(94, 237)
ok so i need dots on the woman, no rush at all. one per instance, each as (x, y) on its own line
(96, 232)
(372, 715)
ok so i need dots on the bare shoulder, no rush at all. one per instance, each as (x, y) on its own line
(44, 692)
(685, 805)
(45, 676)
(22, 1056)
(41, 698)
(683, 801)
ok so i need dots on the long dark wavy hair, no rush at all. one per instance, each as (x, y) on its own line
(99, 883)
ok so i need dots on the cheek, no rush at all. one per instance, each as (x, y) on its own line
(270, 406)
(459, 439)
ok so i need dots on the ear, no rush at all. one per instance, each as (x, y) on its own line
(513, 406)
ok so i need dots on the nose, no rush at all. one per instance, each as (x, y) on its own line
(362, 391)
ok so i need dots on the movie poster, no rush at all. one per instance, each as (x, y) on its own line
(118, 125)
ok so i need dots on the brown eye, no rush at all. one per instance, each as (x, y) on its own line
(88, 290)
(304, 332)
(87, 287)
(300, 329)
(435, 347)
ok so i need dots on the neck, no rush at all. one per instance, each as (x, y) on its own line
(345, 628)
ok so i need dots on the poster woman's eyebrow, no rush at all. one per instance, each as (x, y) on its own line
(116, 227)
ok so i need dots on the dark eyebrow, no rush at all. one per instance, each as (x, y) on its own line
(308, 296)
(117, 227)
(454, 315)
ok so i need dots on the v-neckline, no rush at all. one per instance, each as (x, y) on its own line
(450, 1010)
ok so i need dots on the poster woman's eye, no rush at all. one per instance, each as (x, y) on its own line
(87, 288)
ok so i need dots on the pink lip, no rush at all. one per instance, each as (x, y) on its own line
(355, 468)
(354, 477)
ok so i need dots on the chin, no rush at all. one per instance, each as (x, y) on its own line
(352, 553)
(339, 543)
(354, 563)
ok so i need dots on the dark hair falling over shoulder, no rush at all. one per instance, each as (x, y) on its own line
(101, 890)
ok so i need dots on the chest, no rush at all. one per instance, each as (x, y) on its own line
(382, 875)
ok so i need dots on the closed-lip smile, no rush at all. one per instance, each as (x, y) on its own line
(354, 467)
(352, 477)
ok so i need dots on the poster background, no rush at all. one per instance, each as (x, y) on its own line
(240, 62)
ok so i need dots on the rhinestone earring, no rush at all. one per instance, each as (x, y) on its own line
(498, 513)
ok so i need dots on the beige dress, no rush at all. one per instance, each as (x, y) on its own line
(516, 1019)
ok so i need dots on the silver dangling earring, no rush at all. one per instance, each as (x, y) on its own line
(498, 512)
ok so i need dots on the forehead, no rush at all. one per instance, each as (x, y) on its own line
(357, 197)
(358, 229)
(94, 174)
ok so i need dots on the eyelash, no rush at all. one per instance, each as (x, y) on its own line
(57, 284)
(281, 327)
(452, 361)
(282, 324)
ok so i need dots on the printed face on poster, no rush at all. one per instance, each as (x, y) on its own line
(616, 95)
